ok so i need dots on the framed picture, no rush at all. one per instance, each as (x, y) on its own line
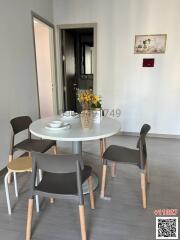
(150, 44)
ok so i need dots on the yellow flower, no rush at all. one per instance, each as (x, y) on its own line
(86, 98)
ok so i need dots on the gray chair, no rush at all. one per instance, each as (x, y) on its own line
(136, 157)
(63, 176)
(20, 124)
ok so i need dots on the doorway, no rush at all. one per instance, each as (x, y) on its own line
(45, 66)
(78, 57)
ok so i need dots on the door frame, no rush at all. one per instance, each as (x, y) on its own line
(60, 56)
(54, 80)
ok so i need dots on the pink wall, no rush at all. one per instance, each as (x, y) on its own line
(43, 57)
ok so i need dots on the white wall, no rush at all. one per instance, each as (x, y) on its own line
(17, 68)
(43, 57)
(149, 95)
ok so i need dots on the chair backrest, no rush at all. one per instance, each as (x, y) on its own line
(20, 124)
(58, 164)
(141, 144)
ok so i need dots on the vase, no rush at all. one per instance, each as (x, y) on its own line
(86, 119)
(97, 115)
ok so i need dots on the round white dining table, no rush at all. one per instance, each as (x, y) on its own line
(75, 133)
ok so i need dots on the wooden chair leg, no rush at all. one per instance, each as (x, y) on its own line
(10, 175)
(91, 193)
(143, 189)
(52, 200)
(82, 222)
(103, 183)
(113, 169)
(55, 149)
(104, 145)
(29, 219)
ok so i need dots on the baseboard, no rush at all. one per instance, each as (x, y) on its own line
(154, 135)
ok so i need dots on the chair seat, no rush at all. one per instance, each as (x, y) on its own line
(122, 154)
(22, 164)
(65, 184)
(35, 145)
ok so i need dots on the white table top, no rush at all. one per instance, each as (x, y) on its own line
(108, 127)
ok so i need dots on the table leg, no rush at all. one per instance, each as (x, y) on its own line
(77, 149)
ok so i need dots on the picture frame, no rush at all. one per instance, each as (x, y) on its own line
(150, 44)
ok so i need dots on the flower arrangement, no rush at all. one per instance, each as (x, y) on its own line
(88, 99)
